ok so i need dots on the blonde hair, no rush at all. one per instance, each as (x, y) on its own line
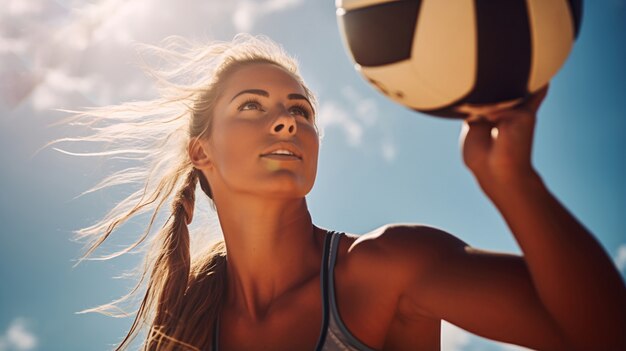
(183, 293)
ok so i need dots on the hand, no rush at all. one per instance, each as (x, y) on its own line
(497, 145)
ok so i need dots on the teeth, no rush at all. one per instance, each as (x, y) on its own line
(282, 152)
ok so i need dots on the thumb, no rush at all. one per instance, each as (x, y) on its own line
(476, 141)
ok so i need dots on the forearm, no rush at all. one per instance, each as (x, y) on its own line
(574, 277)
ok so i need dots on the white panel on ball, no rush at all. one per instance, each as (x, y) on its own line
(400, 82)
(552, 38)
(444, 50)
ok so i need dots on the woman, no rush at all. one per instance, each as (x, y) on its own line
(238, 119)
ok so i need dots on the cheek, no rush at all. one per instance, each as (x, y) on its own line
(234, 146)
(310, 135)
(312, 143)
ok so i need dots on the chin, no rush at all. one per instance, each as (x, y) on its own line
(287, 188)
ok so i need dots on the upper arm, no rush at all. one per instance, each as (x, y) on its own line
(489, 294)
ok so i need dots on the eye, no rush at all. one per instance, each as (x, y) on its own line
(300, 110)
(251, 104)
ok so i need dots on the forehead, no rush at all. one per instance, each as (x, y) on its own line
(264, 76)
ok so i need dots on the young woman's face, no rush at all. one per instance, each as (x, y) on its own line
(263, 138)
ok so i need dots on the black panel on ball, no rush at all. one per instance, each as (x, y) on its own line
(446, 112)
(504, 51)
(381, 34)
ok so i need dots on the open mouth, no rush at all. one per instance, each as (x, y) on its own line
(282, 154)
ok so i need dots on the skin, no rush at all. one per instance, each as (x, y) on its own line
(396, 283)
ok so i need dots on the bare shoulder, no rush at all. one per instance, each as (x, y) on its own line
(398, 235)
(398, 254)
(394, 244)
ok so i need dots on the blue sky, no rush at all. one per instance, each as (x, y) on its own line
(379, 162)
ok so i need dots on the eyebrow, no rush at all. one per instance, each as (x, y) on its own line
(264, 93)
(251, 91)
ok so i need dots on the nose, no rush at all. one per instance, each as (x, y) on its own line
(285, 124)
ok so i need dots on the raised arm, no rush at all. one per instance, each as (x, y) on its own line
(564, 292)
(439, 276)
(573, 276)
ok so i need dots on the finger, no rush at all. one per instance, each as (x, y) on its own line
(477, 135)
(476, 143)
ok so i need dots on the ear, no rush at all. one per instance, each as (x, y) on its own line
(199, 153)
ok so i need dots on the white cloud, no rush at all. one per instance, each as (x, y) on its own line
(244, 16)
(248, 12)
(360, 115)
(16, 80)
(62, 51)
(620, 258)
(87, 44)
(332, 115)
(23, 7)
(26, 25)
(18, 337)
(365, 109)
(389, 151)
(12, 45)
(453, 338)
(58, 85)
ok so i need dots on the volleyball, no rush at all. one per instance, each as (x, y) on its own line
(445, 57)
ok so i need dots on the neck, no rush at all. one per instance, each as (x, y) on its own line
(273, 248)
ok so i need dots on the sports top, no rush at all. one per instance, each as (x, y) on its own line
(334, 335)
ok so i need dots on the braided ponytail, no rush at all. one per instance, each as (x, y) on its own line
(171, 274)
(186, 299)
(172, 266)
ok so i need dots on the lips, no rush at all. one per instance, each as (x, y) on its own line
(283, 150)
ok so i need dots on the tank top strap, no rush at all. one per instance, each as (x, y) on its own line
(329, 238)
(340, 337)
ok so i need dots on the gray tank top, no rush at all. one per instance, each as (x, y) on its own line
(334, 335)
